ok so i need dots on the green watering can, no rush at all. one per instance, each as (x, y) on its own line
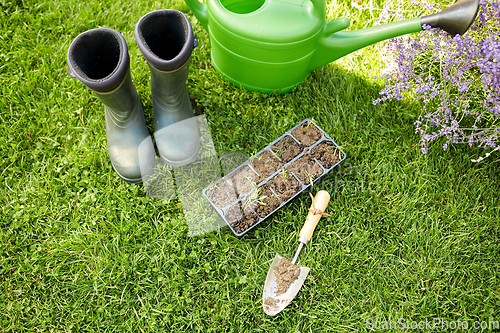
(273, 45)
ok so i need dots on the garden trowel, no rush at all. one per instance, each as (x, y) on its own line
(284, 278)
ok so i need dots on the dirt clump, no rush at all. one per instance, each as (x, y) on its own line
(306, 169)
(307, 133)
(222, 194)
(287, 148)
(266, 163)
(286, 274)
(240, 220)
(327, 154)
(285, 185)
(268, 202)
(242, 179)
(272, 303)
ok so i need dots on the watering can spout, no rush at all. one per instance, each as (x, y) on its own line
(334, 46)
(200, 11)
(455, 20)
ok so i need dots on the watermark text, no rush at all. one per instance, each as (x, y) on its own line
(431, 324)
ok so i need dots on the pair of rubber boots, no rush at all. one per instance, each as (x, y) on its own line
(99, 59)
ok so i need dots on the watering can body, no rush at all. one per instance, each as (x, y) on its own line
(273, 45)
(263, 45)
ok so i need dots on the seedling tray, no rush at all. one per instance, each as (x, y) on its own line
(278, 173)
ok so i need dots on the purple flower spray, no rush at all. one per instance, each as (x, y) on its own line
(456, 77)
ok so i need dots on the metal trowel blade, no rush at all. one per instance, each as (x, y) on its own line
(273, 303)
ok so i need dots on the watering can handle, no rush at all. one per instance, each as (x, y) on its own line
(200, 11)
(334, 26)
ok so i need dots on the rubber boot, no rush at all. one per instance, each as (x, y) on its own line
(99, 59)
(165, 38)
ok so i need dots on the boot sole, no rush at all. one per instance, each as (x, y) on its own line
(128, 180)
(183, 162)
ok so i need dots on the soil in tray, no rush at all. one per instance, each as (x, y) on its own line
(306, 169)
(327, 154)
(242, 179)
(240, 220)
(268, 202)
(266, 163)
(287, 148)
(222, 194)
(286, 274)
(285, 185)
(307, 133)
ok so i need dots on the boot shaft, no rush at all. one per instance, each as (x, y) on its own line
(99, 59)
(166, 87)
(121, 105)
(165, 38)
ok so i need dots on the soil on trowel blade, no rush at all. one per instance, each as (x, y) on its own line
(285, 185)
(307, 133)
(286, 274)
(266, 163)
(239, 220)
(272, 303)
(287, 148)
(306, 169)
(222, 194)
(242, 179)
(327, 154)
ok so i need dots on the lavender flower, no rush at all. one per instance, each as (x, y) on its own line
(457, 78)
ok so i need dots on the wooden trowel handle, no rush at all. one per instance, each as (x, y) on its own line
(319, 204)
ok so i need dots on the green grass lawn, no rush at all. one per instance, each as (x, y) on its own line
(410, 236)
